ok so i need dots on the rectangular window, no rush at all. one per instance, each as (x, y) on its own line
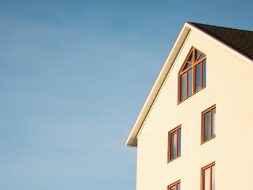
(208, 124)
(174, 143)
(208, 177)
(174, 186)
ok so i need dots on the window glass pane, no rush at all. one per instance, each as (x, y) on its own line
(190, 58)
(174, 188)
(213, 122)
(202, 56)
(173, 145)
(207, 184)
(183, 87)
(189, 82)
(213, 178)
(178, 187)
(204, 73)
(188, 65)
(179, 142)
(207, 126)
(198, 77)
(197, 54)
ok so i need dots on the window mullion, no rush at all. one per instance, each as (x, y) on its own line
(211, 123)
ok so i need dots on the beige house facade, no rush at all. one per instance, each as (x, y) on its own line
(195, 128)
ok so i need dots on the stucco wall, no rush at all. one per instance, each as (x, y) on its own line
(230, 86)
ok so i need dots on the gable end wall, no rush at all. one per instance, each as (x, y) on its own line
(229, 86)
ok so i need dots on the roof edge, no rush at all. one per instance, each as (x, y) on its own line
(193, 24)
(132, 138)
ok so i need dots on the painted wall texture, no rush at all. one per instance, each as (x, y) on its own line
(228, 85)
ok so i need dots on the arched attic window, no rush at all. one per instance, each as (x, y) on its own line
(192, 75)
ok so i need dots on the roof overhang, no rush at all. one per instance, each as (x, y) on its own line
(132, 138)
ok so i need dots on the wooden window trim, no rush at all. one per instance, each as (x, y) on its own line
(193, 67)
(210, 109)
(175, 130)
(203, 169)
(176, 183)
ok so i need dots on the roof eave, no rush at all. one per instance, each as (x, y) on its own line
(132, 138)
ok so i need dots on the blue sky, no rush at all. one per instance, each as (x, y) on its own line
(74, 76)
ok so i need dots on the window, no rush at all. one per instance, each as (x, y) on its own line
(208, 177)
(174, 186)
(208, 124)
(174, 143)
(192, 75)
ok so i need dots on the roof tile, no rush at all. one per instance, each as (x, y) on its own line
(239, 40)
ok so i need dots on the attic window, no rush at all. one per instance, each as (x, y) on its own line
(192, 75)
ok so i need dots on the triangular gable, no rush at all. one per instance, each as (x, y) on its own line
(193, 56)
(132, 138)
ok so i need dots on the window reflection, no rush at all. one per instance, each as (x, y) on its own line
(189, 82)
(207, 126)
(207, 179)
(174, 145)
(198, 77)
(179, 142)
(213, 122)
(183, 87)
(204, 73)
(213, 178)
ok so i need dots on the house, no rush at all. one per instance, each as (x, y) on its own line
(195, 130)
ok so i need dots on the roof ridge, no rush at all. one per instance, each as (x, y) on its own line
(237, 39)
(230, 28)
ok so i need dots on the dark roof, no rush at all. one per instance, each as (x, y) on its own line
(239, 40)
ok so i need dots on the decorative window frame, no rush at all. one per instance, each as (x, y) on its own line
(170, 133)
(175, 184)
(203, 127)
(197, 57)
(203, 169)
